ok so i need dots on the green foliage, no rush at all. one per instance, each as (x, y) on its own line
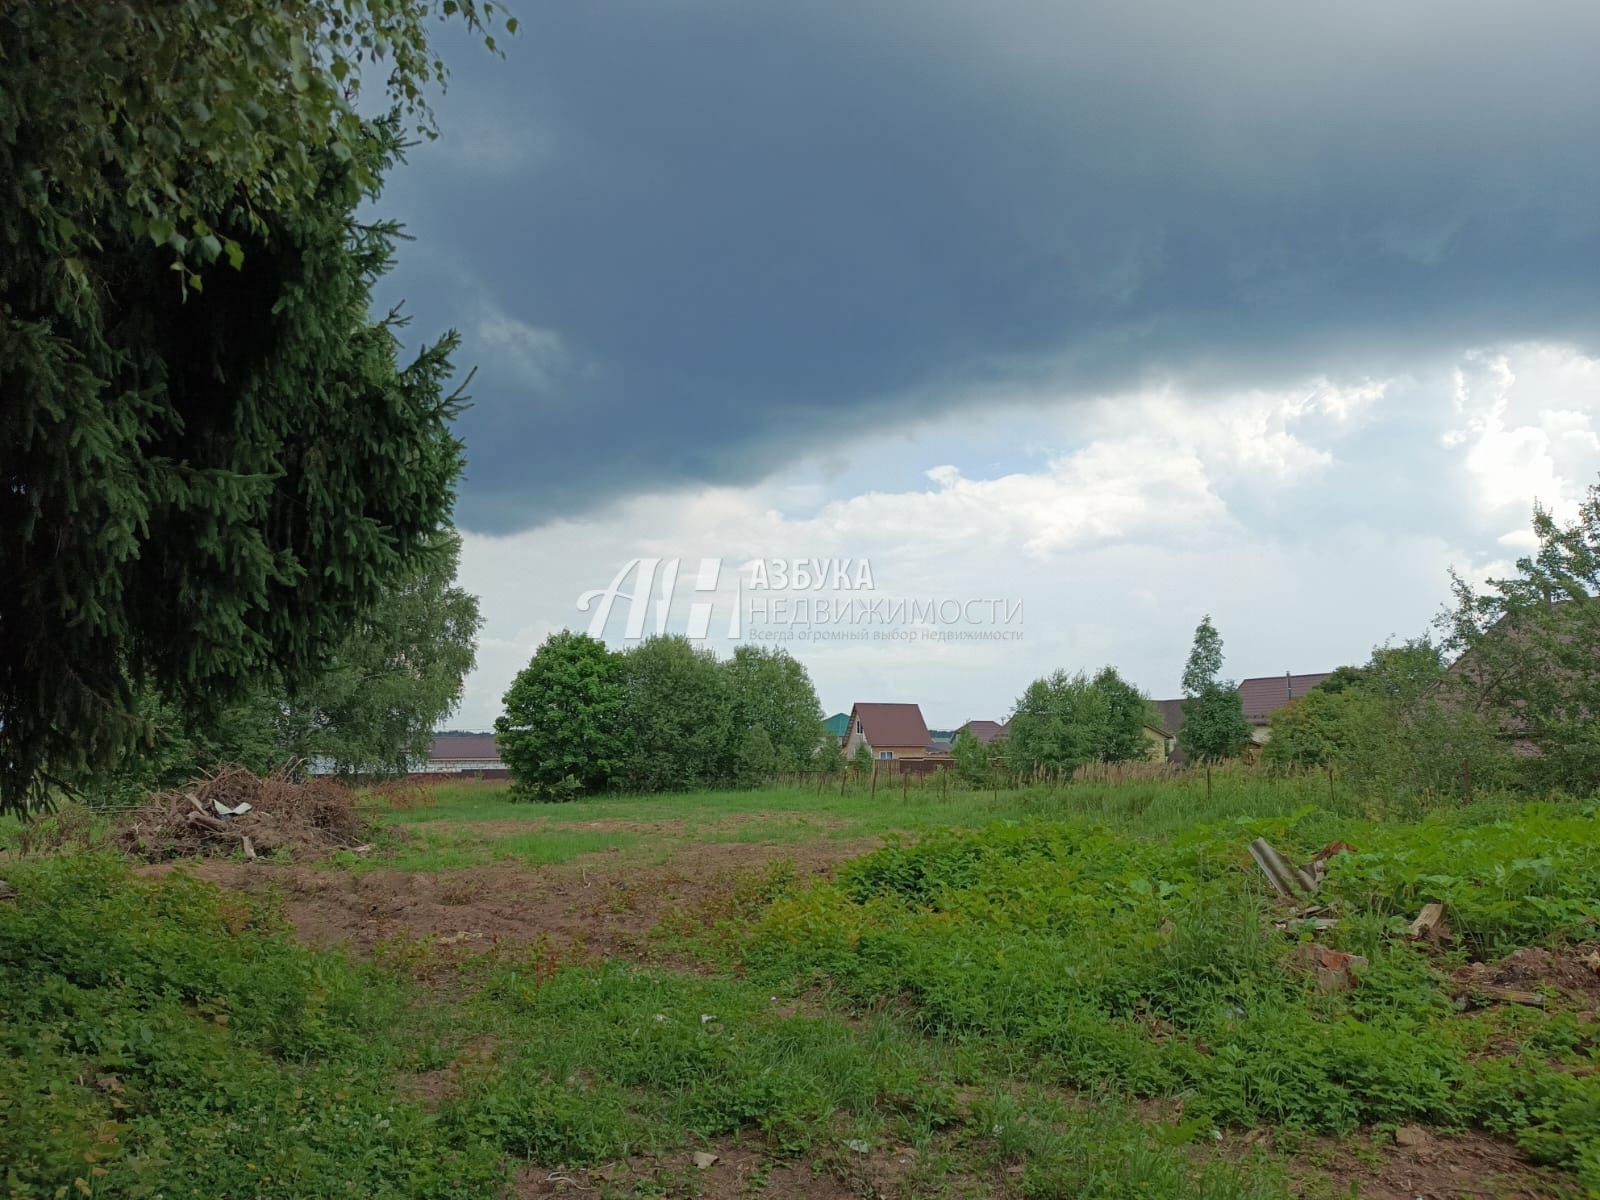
(1312, 730)
(610, 1060)
(829, 758)
(1095, 1151)
(1214, 727)
(1058, 725)
(1396, 727)
(370, 711)
(1063, 721)
(1529, 649)
(676, 716)
(665, 715)
(1149, 967)
(754, 759)
(1204, 668)
(372, 708)
(563, 718)
(772, 703)
(214, 461)
(1508, 875)
(973, 761)
(163, 1037)
(940, 994)
(861, 761)
(1121, 737)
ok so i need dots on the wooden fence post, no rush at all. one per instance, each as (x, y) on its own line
(873, 794)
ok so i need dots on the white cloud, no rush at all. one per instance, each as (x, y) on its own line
(1526, 429)
(1282, 513)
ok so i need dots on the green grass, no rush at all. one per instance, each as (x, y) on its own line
(1045, 993)
(933, 803)
(788, 816)
(1149, 966)
(164, 1038)
(168, 1039)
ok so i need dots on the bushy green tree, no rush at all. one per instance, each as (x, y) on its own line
(372, 708)
(770, 692)
(562, 729)
(973, 760)
(1068, 720)
(676, 716)
(1529, 649)
(1214, 727)
(1127, 710)
(1058, 725)
(754, 760)
(664, 715)
(829, 758)
(370, 711)
(861, 761)
(1396, 727)
(1312, 730)
(212, 461)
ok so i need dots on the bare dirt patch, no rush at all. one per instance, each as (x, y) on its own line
(503, 827)
(433, 1088)
(599, 906)
(1423, 1165)
(745, 1169)
(1573, 972)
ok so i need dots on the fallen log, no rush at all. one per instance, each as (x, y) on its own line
(1506, 995)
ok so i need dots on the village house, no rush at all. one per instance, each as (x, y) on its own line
(1266, 694)
(1158, 742)
(1260, 695)
(837, 726)
(890, 732)
(987, 732)
(473, 754)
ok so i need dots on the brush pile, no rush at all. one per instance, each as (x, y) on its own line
(236, 811)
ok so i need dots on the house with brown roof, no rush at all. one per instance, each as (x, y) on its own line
(462, 754)
(1266, 694)
(1260, 695)
(891, 732)
(987, 732)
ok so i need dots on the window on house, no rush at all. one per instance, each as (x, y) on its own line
(885, 754)
(858, 727)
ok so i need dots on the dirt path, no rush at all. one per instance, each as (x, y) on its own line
(598, 906)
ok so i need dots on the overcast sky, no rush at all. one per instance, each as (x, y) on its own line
(1126, 312)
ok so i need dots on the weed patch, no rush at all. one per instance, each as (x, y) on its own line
(1150, 966)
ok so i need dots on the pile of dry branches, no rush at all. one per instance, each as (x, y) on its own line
(237, 811)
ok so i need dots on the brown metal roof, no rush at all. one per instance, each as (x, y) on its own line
(1266, 694)
(987, 731)
(1171, 715)
(453, 747)
(891, 725)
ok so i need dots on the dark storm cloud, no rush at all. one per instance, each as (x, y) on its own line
(685, 240)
